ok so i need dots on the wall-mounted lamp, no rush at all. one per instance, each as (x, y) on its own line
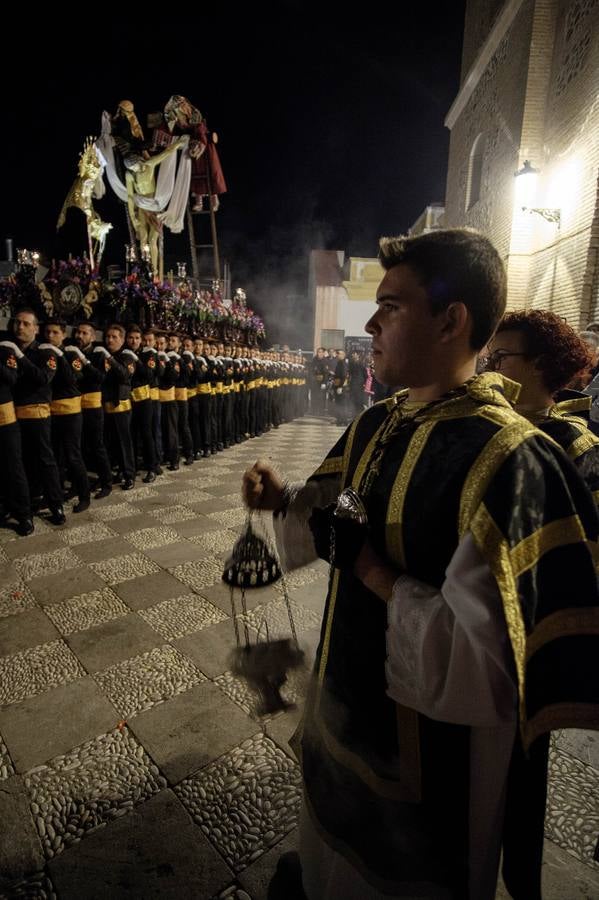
(526, 180)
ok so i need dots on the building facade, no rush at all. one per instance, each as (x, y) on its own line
(530, 94)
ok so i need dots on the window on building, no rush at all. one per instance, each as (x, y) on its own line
(475, 171)
(332, 338)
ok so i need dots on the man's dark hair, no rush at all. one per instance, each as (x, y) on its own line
(133, 329)
(29, 311)
(59, 322)
(454, 265)
(116, 326)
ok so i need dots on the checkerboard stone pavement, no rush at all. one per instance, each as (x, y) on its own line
(132, 761)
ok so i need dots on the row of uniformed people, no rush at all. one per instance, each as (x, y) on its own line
(69, 406)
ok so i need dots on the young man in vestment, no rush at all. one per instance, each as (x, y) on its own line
(451, 643)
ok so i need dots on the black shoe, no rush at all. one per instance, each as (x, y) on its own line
(150, 477)
(219, 447)
(127, 484)
(188, 461)
(69, 494)
(207, 453)
(287, 879)
(198, 454)
(57, 516)
(81, 506)
(103, 492)
(158, 470)
(173, 467)
(24, 527)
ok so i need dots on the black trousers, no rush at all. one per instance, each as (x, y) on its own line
(39, 460)
(228, 401)
(120, 446)
(237, 416)
(157, 430)
(170, 436)
(141, 433)
(193, 408)
(245, 411)
(66, 443)
(185, 439)
(252, 411)
(218, 419)
(94, 450)
(14, 489)
(205, 420)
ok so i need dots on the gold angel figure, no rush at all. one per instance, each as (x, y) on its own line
(81, 196)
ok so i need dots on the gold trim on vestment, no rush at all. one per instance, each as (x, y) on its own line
(395, 507)
(578, 404)
(33, 411)
(495, 550)
(563, 623)
(585, 441)
(327, 631)
(561, 715)
(528, 551)
(330, 466)
(495, 452)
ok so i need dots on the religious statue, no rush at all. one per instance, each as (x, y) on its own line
(81, 195)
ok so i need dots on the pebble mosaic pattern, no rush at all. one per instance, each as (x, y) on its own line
(114, 511)
(232, 518)
(572, 818)
(246, 801)
(182, 615)
(275, 616)
(199, 574)
(15, 598)
(144, 681)
(240, 692)
(35, 887)
(96, 782)
(149, 538)
(194, 496)
(38, 564)
(84, 534)
(171, 514)
(86, 610)
(6, 766)
(37, 669)
(215, 541)
(124, 568)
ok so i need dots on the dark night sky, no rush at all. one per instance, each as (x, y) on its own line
(331, 125)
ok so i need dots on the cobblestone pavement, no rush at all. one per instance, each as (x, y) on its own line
(132, 761)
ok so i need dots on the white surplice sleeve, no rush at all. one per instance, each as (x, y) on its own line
(448, 651)
(292, 532)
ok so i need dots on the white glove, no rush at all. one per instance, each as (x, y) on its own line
(172, 354)
(9, 344)
(323, 387)
(131, 354)
(51, 347)
(72, 349)
(162, 354)
(148, 350)
(103, 351)
(187, 353)
(339, 390)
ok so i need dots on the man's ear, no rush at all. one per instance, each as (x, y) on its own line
(455, 321)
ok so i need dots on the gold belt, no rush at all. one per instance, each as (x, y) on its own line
(67, 406)
(123, 406)
(191, 392)
(140, 393)
(165, 396)
(33, 411)
(154, 393)
(204, 389)
(91, 400)
(7, 413)
(180, 393)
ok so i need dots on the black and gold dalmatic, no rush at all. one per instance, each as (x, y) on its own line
(429, 475)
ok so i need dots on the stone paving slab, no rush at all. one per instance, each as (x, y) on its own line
(112, 642)
(154, 852)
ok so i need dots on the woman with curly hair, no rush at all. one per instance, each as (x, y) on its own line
(544, 354)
